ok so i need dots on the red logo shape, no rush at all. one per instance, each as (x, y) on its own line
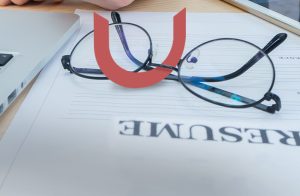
(137, 79)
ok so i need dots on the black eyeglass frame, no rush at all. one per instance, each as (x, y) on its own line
(148, 65)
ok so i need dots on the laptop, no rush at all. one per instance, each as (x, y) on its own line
(28, 40)
(284, 13)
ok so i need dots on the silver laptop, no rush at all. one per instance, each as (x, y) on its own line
(28, 40)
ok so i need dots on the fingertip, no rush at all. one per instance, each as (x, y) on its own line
(117, 4)
(111, 4)
(19, 2)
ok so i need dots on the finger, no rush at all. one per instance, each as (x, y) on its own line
(110, 4)
(4, 2)
(19, 2)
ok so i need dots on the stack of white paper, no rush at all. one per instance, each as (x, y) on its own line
(74, 136)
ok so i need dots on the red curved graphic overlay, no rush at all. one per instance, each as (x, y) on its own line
(137, 79)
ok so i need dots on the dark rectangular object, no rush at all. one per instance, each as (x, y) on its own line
(5, 58)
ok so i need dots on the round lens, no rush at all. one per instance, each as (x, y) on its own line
(228, 72)
(130, 46)
(83, 60)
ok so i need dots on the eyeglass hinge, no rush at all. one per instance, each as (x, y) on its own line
(180, 62)
(275, 107)
(66, 62)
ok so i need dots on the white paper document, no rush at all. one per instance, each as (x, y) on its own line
(74, 136)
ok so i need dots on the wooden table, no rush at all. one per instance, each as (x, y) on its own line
(138, 5)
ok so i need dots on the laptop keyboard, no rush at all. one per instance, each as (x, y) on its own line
(5, 58)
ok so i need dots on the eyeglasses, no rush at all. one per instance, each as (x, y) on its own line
(228, 72)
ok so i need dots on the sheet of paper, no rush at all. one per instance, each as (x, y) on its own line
(66, 140)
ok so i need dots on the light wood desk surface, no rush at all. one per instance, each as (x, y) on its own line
(138, 5)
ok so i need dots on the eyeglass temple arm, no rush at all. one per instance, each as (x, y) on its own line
(274, 43)
(66, 62)
(116, 18)
(268, 97)
(198, 83)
